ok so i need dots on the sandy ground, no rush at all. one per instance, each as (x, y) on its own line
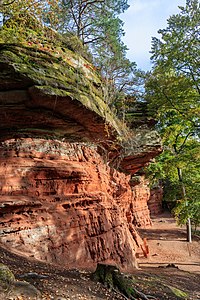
(167, 245)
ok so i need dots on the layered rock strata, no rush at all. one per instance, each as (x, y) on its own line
(62, 196)
(155, 201)
(61, 203)
(140, 199)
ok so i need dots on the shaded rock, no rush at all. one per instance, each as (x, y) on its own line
(12, 289)
(172, 266)
(155, 201)
(24, 289)
(33, 275)
(140, 197)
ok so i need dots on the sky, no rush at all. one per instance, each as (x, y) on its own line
(141, 22)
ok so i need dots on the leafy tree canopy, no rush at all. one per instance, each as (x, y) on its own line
(173, 96)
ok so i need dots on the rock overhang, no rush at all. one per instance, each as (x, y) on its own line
(55, 93)
(60, 146)
(68, 92)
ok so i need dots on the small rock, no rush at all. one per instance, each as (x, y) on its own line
(172, 266)
(33, 275)
(22, 288)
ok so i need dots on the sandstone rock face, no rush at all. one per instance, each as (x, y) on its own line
(43, 96)
(155, 201)
(140, 197)
(61, 203)
(62, 196)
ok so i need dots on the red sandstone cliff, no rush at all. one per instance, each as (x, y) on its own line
(62, 196)
(61, 203)
(140, 197)
(155, 201)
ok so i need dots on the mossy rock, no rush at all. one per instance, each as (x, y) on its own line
(55, 64)
(7, 278)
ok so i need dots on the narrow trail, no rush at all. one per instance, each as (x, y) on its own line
(167, 245)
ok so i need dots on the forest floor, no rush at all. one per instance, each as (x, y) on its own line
(171, 270)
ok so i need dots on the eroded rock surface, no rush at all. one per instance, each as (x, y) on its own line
(61, 203)
(63, 195)
(140, 197)
(58, 94)
(155, 201)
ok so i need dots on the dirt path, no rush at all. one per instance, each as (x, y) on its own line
(167, 244)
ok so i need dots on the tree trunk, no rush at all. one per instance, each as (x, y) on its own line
(189, 231)
(188, 225)
(111, 277)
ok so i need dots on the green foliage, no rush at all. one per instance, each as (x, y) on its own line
(89, 19)
(36, 8)
(188, 208)
(97, 24)
(117, 73)
(178, 49)
(180, 294)
(94, 26)
(169, 93)
(175, 82)
(13, 29)
(39, 36)
(173, 96)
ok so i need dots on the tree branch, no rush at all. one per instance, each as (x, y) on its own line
(183, 144)
(192, 74)
(93, 40)
(90, 3)
(5, 4)
(178, 110)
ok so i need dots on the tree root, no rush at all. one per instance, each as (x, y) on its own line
(111, 277)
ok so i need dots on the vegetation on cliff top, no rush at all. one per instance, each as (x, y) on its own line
(98, 28)
(54, 64)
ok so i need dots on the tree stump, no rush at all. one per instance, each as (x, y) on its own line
(112, 278)
(105, 274)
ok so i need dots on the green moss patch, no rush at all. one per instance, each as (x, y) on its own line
(178, 293)
(54, 64)
(7, 278)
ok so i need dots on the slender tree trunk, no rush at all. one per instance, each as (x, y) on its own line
(188, 225)
(189, 230)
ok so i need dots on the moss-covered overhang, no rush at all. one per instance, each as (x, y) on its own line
(47, 92)
(64, 83)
